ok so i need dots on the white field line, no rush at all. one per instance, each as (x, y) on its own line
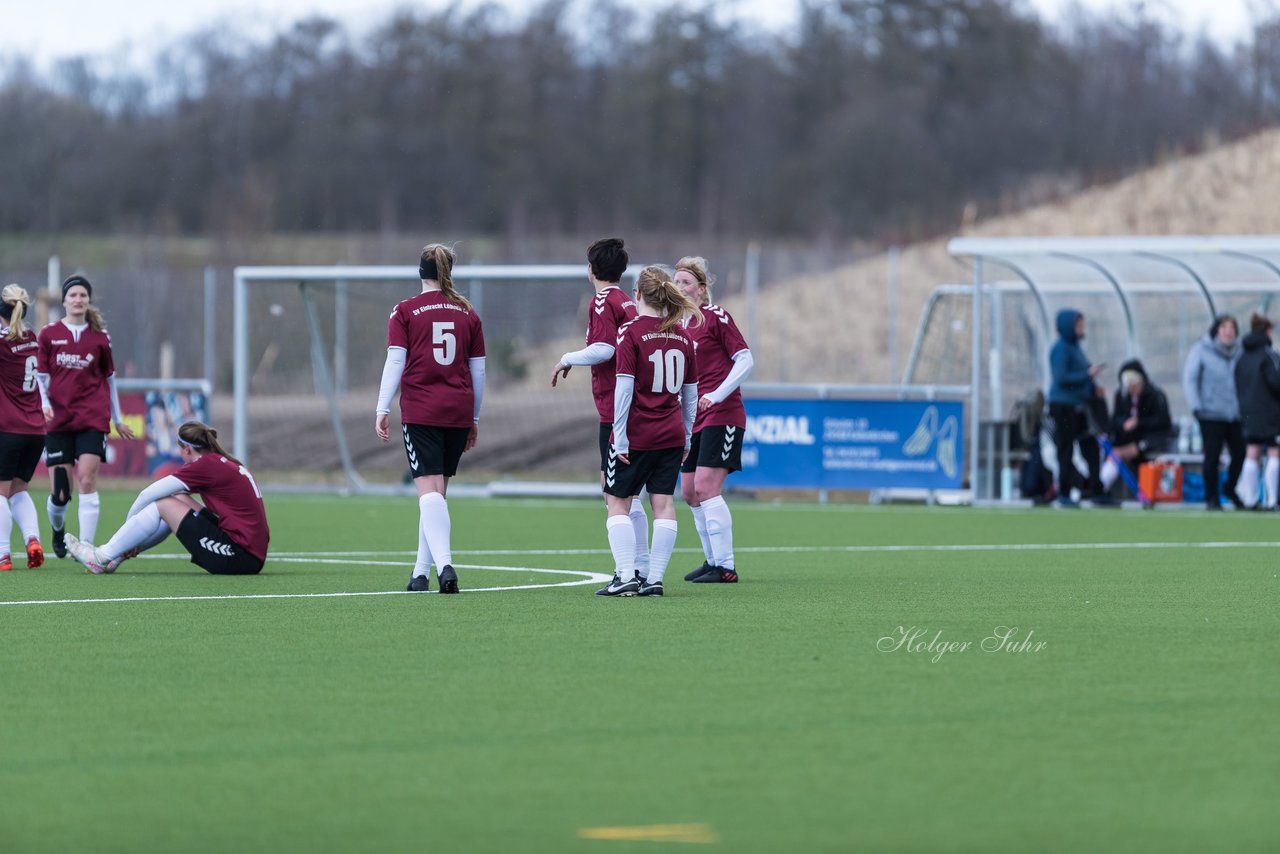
(904, 547)
(584, 578)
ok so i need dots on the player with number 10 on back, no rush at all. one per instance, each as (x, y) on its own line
(435, 357)
(227, 535)
(654, 404)
(21, 427)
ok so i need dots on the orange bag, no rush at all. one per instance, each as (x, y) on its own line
(1161, 481)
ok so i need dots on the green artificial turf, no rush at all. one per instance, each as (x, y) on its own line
(775, 715)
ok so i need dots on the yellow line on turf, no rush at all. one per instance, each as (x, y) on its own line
(694, 833)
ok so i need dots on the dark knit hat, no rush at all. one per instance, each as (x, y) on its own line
(72, 281)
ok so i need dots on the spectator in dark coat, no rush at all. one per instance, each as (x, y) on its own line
(1141, 426)
(1258, 389)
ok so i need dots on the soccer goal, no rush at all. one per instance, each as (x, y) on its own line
(309, 345)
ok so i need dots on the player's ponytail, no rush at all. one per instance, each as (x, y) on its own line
(95, 319)
(15, 301)
(696, 266)
(203, 438)
(656, 287)
(436, 264)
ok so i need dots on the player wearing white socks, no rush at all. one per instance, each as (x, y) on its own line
(435, 357)
(226, 535)
(607, 261)
(76, 375)
(22, 431)
(653, 411)
(1257, 375)
(724, 363)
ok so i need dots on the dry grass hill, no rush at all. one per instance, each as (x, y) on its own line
(831, 327)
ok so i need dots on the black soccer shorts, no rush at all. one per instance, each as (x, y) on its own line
(67, 447)
(434, 450)
(715, 448)
(658, 470)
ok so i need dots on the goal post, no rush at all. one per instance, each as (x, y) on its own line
(337, 366)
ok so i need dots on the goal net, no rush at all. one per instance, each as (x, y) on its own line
(309, 346)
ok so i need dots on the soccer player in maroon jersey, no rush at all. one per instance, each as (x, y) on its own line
(435, 356)
(607, 261)
(77, 378)
(724, 362)
(21, 427)
(227, 535)
(653, 412)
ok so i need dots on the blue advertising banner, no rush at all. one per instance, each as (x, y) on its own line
(852, 444)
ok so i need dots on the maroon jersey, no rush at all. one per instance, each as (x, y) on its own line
(230, 491)
(78, 368)
(439, 337)
(19, 396)
(717, 339)
(662, 363)
(610, 308)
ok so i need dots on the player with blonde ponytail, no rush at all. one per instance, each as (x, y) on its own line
(435, 358)
(724, 363)
(226, 535)
(653, 411)
(21, 427)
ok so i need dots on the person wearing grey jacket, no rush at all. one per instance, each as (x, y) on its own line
(1209, 382)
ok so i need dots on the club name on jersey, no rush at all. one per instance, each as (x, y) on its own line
(436, 307)
(71, 360)
(26, 345)
(779, 430)
(649, 336)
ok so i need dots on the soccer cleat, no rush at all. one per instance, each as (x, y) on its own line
(448, 579)
(718, 575)
(707, 566)
(420, 583)
(6, 563)
(618, 587)
(90, 557)
(60, 542)
(35, 554)
(647, 589)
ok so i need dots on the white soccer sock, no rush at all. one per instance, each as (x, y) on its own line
(422, 565)
(6, 525)
(640, 522)
(140, 531)
(664, 542)
(700, 525)
(1271, 476)
(88, 512)
(1247, 487)
(57, 514)
(433, 514)
(1110, 471)
(622, 542)
(24, 513)
(720, 530)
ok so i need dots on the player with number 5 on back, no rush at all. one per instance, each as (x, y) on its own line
(654, 403)
(226, 535)
(21, 427)
(435, 357)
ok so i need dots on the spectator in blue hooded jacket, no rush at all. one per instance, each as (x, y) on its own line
(1071, 393)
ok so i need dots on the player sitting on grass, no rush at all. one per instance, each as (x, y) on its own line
(227, 535)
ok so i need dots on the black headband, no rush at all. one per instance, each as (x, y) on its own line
(427, 269)
(72, 281)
